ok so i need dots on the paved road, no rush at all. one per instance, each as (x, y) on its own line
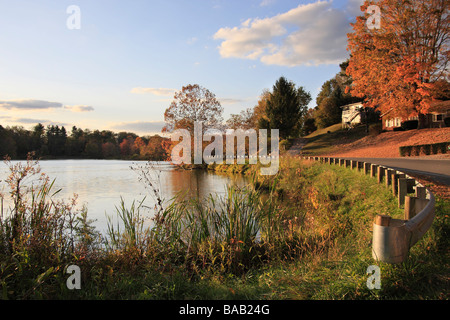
(437, 170)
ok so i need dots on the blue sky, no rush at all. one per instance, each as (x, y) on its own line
(119, 70)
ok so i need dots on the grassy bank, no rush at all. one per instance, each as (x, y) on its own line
(323, 141)
(302, 234)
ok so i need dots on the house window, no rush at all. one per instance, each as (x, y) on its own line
(392, 122)
(438, 117)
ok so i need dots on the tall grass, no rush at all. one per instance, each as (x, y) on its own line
(304, 233)
(38, 234)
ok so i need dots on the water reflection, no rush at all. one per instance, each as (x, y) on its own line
(100, 184)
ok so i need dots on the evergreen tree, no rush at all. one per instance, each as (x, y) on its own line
(285, 106)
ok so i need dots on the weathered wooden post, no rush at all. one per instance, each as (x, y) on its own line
(361, 166)
(380, 174)
(405, 186)
(382, 220)
(421, 192)
(402, 191)
(373, 170)
(394, 179)
(366, 167)
(389, 177)
(413, 206)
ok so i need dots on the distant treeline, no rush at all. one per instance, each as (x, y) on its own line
(54, 141)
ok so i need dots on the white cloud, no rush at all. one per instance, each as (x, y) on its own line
(229, 100)
(29, 104)
(41, 105)
(140, 126)
(309, 34)
(79, 108)
(155, 91)
(26, 121)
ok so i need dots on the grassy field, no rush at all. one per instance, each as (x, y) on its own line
(304, 234)
(324, 140)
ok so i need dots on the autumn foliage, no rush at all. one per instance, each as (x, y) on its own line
(193, 103)
(402, 65)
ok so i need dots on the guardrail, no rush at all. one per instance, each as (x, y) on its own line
(393, 238)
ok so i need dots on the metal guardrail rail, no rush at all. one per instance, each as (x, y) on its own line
(393, 238)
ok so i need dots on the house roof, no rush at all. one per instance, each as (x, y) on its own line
(439, 106)
(352, 104)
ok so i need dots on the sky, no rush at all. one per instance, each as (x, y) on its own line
(115, 65)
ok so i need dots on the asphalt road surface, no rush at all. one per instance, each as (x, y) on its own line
(436, 170)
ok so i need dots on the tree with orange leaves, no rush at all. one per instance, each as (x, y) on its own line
(192, 104)
(403, 63)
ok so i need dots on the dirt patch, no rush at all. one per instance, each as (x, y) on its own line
(386, 144)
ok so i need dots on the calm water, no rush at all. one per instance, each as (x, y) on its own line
(99, 184)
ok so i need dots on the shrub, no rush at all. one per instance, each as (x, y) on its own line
(416, 150)
(442, 147)
(405, 151)
(427, 149)
(410, 124)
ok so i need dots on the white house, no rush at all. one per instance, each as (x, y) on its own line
(352, 114)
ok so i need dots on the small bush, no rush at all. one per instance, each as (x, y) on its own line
(410, 124)
(405, 151)
(416, 150)
(424, 149)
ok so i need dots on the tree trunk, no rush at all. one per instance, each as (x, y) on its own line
(421, 123)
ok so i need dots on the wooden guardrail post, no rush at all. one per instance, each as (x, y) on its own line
(382, 220)
(366, 166)
(395, 181)
(421, 192)
(361, 165)
(413, 206)
(389, 177)
(373, 170)
(380, 173)
(347, 163)
(405, 186)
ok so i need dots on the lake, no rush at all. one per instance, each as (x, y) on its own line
(100, 184)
